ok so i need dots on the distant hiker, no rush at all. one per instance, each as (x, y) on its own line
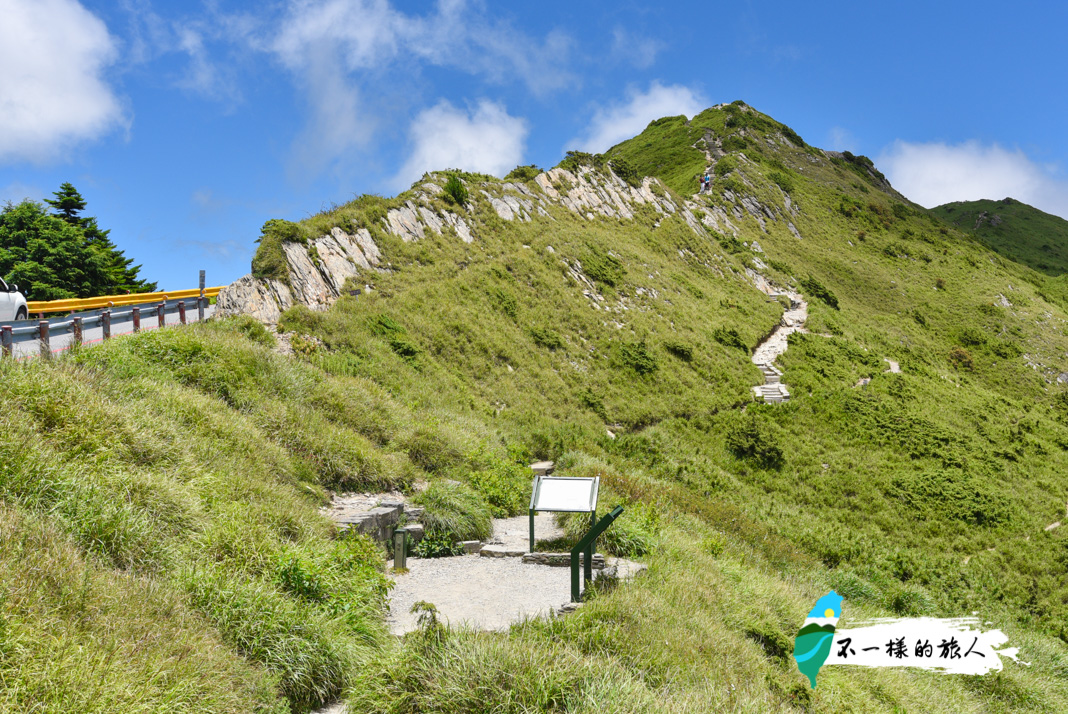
(700, 183)
(708, 182)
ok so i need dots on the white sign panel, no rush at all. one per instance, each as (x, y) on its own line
(564, 494)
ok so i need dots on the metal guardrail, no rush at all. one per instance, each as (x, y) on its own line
(106, 301)
(42, 331)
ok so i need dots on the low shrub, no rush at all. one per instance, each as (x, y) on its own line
(505, 487)
(783, 181)
(755, 438)
(961, 358)
(680, 349)
(637, 356)
(545, 337)
(454, 191)
(436, 544)
(818, 290)
(602, 267)
(523, 173)
(729, 337)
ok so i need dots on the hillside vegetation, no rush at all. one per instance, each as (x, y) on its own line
(1015, 230)
(164, 550)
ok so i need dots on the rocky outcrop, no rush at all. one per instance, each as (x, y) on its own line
(318, 270)
(317, 274)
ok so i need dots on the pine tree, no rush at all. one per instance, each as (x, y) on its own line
(122, 275)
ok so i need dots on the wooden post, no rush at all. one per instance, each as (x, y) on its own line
(181, 311)
(161, 313)
(42, 333)
(77, 329)
(200, 308)
(136, 319)
(6, 340)
(105, 324)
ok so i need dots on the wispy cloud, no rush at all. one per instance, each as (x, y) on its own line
(935, 173)
(611, 125)
(53, 58)
(210, 44)
(343, 52)
(634, 49)
(485, 139)
(841, 139)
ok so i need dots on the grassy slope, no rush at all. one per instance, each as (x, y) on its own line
(172, 479)
(1022, 233)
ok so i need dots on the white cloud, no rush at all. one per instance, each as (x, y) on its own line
(841, 139)
(935, 173)
(487, 140)
(53, 54)
(612, 125)
(17, 192)
(346, 55)
(638, 51)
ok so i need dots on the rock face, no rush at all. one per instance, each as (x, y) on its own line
(318, 270)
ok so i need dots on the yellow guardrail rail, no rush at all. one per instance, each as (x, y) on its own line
(95, 303)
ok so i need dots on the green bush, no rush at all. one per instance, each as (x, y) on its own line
(636, 356)
(546, 337)
(523, 173)
(626, 171)
(818, 290)
(783, 180)
(455, 510)
(435, 544)
(971, 336)
(1005, 348)
(454, 191)
(680, 349)
(951, 494)
(270, 260)
(505, 487)
(602, 267)
(734, 143)
(729, 337)
(755, 438)
(725, 165)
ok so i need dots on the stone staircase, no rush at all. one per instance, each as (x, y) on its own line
(773, 390)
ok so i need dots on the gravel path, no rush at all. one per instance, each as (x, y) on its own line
(793, 320)
(486, 593)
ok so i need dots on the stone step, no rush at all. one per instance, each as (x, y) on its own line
(562, 560)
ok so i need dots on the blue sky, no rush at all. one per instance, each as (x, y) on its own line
(186, 125)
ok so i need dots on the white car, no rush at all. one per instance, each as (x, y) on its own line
(12, 303)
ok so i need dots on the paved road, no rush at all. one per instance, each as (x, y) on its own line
(91, 335)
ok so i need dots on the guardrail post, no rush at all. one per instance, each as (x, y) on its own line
(181, 311)
(105, 324)
(6, 339)
(42, 332)
(200, 308)
(135, 312)
(77, 328)
(161, 313)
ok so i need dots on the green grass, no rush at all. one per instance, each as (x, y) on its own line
(1013, 229)
(160, 493)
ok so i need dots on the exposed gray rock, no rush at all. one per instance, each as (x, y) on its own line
(404, 222)
(313, 282)
(562, 560)
(501, 551)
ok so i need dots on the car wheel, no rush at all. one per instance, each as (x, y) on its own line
(21, 314)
